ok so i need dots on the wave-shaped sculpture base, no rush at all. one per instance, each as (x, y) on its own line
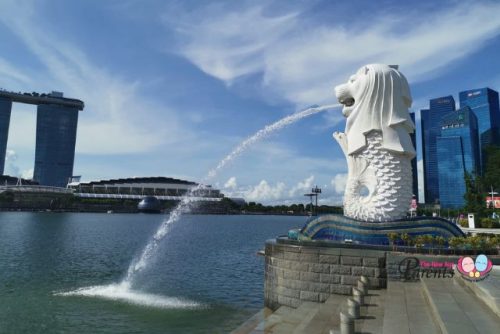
(341, 228)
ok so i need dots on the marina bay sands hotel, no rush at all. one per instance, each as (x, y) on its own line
(56, 123)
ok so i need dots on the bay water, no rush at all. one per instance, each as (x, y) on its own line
(205, 277)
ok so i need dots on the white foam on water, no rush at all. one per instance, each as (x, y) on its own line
(121, 292)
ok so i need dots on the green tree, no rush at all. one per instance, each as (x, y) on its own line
(491, 170)
(474, 195)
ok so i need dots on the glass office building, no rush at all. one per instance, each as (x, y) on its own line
(414, 171)
(484, 104)
(5, 109)
(55, 144)
(457, 153)
(431, 129)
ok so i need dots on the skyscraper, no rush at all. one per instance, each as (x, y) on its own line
(484, 104)
(431, 129)
(55, 144)
(414, 171)
(457, 154)
(5, 108)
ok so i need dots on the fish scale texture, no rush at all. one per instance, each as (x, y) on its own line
(380, 187)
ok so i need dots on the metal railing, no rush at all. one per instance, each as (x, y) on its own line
(121, 196)
(35, 189)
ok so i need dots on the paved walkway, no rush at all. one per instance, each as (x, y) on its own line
(457, 310)
(428, 306)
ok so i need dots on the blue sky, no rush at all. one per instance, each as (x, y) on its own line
(171, 87)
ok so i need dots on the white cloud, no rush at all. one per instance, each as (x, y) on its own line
(214, 45)
(114, 106)
(265, 192)
(302, 186)
(11, 167)
(231, 183)
(302, 60)
(27, 174)
(11, 74)
(339, 183)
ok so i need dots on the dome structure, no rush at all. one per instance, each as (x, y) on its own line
(149, 204)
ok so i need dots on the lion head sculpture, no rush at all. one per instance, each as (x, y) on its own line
(377, 98)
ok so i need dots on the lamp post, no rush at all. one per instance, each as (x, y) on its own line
(316, 191)
(311, 198)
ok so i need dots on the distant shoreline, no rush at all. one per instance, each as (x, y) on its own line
(160, 213)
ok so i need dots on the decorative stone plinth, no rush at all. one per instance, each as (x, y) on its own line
(297, 272)
(341, 228)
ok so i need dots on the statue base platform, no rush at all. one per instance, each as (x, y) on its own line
(340, 228)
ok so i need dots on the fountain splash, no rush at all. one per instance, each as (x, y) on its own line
(123, 291)
(140, 263)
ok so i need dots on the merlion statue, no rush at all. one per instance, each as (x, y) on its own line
(377, 143)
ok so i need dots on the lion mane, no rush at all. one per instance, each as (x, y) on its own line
(380, 99)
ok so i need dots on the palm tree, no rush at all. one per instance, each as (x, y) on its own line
(455, 243)
(440, 241)
(406, 239)
(419, 241)
(393, 236)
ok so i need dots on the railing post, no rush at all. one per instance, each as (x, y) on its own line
(358, 296)
(346, 324)
(353, 308)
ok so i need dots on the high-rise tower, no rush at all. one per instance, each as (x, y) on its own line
(484, 104)
(55, 144)
(457, 154)
(5, 109)
(431, 129)
(414, 171)
(57, 119)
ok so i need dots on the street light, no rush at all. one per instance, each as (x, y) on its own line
(311, 197)
(316, 191)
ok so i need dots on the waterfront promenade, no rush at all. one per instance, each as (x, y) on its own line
(426, 306)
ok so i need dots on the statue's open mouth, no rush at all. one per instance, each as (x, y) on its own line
(348, 102)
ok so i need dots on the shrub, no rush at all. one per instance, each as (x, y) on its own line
(488, 223)
(393, 236)
(456, 242)
(463, 222)
(406, 238)
(428, 239)
(419, 241)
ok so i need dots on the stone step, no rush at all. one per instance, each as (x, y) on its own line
(456, 310)
(406, 310)
(283, 319)
(325, 319)
(290, 321)
(251, 324)
(488, 290)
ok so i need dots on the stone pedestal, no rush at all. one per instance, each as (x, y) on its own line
(297, 272)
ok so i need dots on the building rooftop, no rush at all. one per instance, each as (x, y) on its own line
(36, 98)
(154, 179)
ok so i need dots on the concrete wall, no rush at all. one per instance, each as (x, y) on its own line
(296, 273)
